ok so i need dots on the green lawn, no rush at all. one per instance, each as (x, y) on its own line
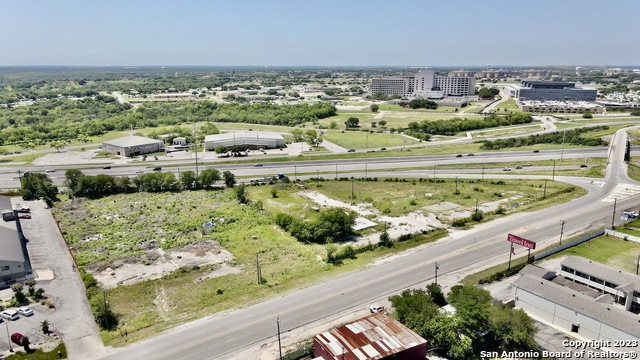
(508, 105)
(366, 140)
(608, 250)
(39, 354)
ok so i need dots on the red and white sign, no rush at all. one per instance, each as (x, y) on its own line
(520, 241)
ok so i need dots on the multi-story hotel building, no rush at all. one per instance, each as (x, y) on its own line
(425, 84)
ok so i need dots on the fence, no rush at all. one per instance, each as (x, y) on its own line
(623, 235)
(578, 241)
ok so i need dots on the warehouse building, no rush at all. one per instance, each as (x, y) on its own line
(253, 140)
(376, 336)
(132, 145)
(589, 300)
(14, 259)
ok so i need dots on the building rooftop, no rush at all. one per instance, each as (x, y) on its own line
(131, 140)
(372, 337)
(624, 281)
(10, 245)
(239, 135)
(609, 314)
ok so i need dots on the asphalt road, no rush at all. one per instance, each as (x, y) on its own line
(221, 335)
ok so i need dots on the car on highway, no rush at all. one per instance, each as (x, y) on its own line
(583, 165)
(25, 311)
(50, 170)
(536, 151)
(351, 150)
(518, 167)
(470, 154)
(383, 149)
(10, 314)
(139, 171)
(459, 155)
(257, 165)
(24, 216)
(157, 168)
(374, 308)
(506, 169)
(107, 167)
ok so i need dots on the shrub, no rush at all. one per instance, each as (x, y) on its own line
(459, 222)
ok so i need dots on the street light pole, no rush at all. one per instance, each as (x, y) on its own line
(561, 230)
(279, 343)
(553, 172)
(564, 133)
(436, 273)
(613, 217)
(6, 323)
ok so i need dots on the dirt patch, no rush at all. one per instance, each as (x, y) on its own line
(156, 263)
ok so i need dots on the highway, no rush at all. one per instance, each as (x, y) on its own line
(9, 177)
(222, 335)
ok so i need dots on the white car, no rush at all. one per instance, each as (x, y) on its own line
(139, 171)
(374, 308)
(50, 170)
(10, 315)
(25, 311)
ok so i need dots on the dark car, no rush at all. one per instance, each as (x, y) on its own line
(470, 154)
(459, 155)
(157, 168)
(351, 150)
(24, 216)
(107, 167)
(19, 339)
(536, 151)
(584, 166)
(383, 149)
(24, 210)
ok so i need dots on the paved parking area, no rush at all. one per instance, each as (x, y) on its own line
(72, 317)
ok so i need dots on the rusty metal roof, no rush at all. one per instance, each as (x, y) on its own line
(372, 337)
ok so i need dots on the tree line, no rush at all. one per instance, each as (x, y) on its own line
(456, 125)
(573, 137)
(94, 187)
(477, 325)
(332, 225)
(66, 120)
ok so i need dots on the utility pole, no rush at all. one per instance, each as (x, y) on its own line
(352, 195)
(613, 217)
(336, 171)
(365, 172)
(476, 205)
(482, 178)
(561, 230)
(553, 172)
(544, 193)
(295, 170)
(195, 146)
(637, 264)
(434, 170)
(279, 343)
(564, 133)
(456, 184)
(437, 273)
(258, 269)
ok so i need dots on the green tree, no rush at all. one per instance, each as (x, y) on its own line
(472, 307)
(511, 329)
(57, 144)
(333, 125)
(241, 193)
(18, 294)
(435, 292)
(221, 150)
(587, 115)
(382, 123)
(229, 178)
(385, 239)
(102, 312)
(352, 122)
(72, 179)
(188, 180)
(445, 334)
(298, 135)
(208, 177)
(38, 186)
(374, 107)
(414, 308)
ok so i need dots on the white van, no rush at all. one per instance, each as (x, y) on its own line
(10, 315)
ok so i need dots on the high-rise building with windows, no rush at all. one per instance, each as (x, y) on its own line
(425, 84)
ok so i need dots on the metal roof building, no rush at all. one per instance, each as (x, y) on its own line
(132, 145)
(376, 336)
(247, 139)
(14, 260)
(577, 308)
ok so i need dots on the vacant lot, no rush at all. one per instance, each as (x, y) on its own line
(126, 230)
(365, 140)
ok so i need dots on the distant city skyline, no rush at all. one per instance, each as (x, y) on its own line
(329, 33)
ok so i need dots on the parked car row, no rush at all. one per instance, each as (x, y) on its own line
(11, 314)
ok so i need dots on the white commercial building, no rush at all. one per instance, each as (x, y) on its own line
(14, 259)
(132, 145)
(593, 301)
(425, 84)
(246, 139)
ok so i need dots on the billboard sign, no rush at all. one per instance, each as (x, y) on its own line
(520, 241)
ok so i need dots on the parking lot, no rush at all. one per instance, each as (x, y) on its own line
(56, 274)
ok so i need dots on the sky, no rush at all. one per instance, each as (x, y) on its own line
(320, 33)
